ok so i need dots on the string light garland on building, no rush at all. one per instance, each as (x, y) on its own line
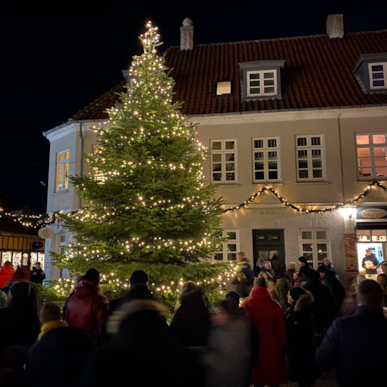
(289, 205)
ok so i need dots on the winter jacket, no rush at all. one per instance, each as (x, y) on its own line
(191, 323)
(289, 275)
(337, 289)
(282, 286)
(324, 310)
(375, 262)
(356, 347)
(303, 273)
(136, 292)
(48, 362)
(301, 349)
(269, 319)
(6, 274)
(228, 355)
(270, 274)
(38, 277)
(246, 270)
(46, 327)
(87, 309)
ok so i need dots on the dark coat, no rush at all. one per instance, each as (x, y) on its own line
(38, 277)
(324, 311)
(282, 286)
(191, 323)
(137, 292)
(303, 273)
(246, 270)
(289, 276)
(337, 289)
(87, 309)
(356, 347)
(48, 362)
(269, 319)
(270, 274)
(373, 259)
(301, 349)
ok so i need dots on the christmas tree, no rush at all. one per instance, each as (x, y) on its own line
(147, 203)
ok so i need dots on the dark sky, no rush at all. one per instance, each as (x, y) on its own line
(59, 56)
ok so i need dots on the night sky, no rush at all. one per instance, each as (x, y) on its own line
(57, 57)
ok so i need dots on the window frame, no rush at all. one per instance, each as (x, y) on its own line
(266, 149)
(370, 72)
(220, 84)
(314, 242)
(226, 243)
(262, 87)
(371, 146)
(63, 163)
(99, 177)
(309, 147)
(223, 163)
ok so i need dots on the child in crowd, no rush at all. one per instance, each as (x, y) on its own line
(50, 317)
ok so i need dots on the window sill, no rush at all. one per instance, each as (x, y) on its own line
(61, 192)
(371, 180)
(227, 184)
(266, 183)
(313, 182)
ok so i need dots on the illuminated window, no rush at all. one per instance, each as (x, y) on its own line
(371, 152)
(378, 75)
(230, 247)
(98, 175)
(223, 165)
(261, 83)
(62, 170)
(310, 158)
(315, 246)
(266, 159)
(223, 88)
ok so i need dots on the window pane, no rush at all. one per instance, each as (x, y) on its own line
(316, 141)
(308, 256)
(230, 145)
(255, 83)
(217, 157)
(322, 247)
(302, 154)
(231, 247)
(223, 88)
(66, 184)
(379, 138)
(363, 162)
(272, 164)
(59, 186)
(255, 91)
(216, 167)
(381, 161)
(268, 75)
(254, 76)
(217, 145)
(60, 157)
(66, 165)
(321, 235)
(259, 176)
(306, 234)
(59, 177)
(218, 257)
(379, 152)
(217, 176)
(365, 172)
(377, 68)
(230, 167)
(317, 173)
(303, 174)
(269, 90)
(258, 155)
(362, 140)
(302, 164)
(381, 171)
(230, 156)
(272, 143)
(230, 176)
(259, 166)
(268, 82)
(363, 152)
(272, 155)
(67, 155)
(60, 167)
(321, 256)
(378, 83)
(66, 175)
(231, 256)
(273, 175)
(307, 247)
(231, 235)
(377, 76)
(258, 143)
(316, 153)
(317, 164)
(301, 141)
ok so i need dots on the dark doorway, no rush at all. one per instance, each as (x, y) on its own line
(269, 245)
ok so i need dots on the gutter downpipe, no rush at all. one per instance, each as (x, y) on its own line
(81, 159)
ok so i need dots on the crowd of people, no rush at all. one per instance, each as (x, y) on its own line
(290, 327)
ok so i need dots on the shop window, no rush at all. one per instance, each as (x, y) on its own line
(230, 247)
(371, 152)
(371, 235)
(223, 161)
(6, 256)
(62, 170)
(315, 246)
(266, 159)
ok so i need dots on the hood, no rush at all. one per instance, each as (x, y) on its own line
(8, 270)
(303, 301)
(85, 288)
(260, 293)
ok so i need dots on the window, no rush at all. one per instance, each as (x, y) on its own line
(261, 83)
(315, 246)
(98, 175)
(310, 158)
(230, 247)
(378, 75)
(371, 152)
(266, 159)
(62, 170)
(223, 161)
(223, 88)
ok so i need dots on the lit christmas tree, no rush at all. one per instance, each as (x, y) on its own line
(148, 207)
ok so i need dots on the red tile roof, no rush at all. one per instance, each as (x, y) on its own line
(317, 74)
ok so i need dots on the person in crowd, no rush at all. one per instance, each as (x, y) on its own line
(48, 359)
(355, 346)
(3, 300)
(296, 279)
(301, 349)
(242, 285)
(268, 271)
(382, 279)
(282, 286)
(77, 278)
(50, 318)
(349, 306)
(6, 274)
(234, 298)
(289, 274)
(333, 283)
(355, 286)
(191, 323)
(371, 264)
(37, 274)
(228, 354)
(383, 265)
(273, 291)
(304, 270)
(141, 351)
(328, 264)
(269, 320)
(138, 291)
(87, 308)
(324, 311)
(246, 269)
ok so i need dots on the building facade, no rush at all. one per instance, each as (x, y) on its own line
(306, 116)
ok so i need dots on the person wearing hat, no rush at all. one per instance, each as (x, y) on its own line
(301, 350)
(304, 270)
(6, 274)
(138, 291)
(87, 307)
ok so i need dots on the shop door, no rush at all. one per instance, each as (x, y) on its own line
(269, 245)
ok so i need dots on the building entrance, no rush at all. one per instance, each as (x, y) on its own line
(269, 245)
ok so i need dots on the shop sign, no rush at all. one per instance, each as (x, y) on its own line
(371, 213)
(45, 233)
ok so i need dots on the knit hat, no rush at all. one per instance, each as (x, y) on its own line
(20, 290)
(322, 269)
(92, 275)
(303, 259)
(296, 292)
(139, 277)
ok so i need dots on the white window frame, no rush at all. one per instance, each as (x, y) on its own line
(384, 64)
(227, 242)
(265, 150)
(223, 151)
(262, 87)
(310, 148)
(314, 242)
(62, 164)
(371, 146)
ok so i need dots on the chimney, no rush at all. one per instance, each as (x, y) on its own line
(187, 35)
(335, 26)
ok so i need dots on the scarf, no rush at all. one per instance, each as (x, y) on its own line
(51, 325)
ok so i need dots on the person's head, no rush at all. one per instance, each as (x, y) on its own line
(139, 277)
(292, 266)
(226, 313)
(261, 280)
(92, 275)
(302, 261)
(349, 305)
(268, 265)
(295, 275)
(241, 256)
(50, 312)
(382, 279)
(21, 275)
(384, 266)
(326, 262)
(37, 265)
(370, 293)
(7, 263)
(294, 293)
(233, 297)
(313, 275)
(368, 252)
(241, 276)
(18, 293)
(360, 278)
(270, 285)
(322, 270)
(188, 288)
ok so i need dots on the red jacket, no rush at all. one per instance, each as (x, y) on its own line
(87, 308)
(269, 319)
(6, 273)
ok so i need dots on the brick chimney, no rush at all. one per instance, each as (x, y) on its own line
(335, 26)
(187, 35)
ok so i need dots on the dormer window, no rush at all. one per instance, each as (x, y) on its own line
(260, 80)
(378, 72)
(223, 88)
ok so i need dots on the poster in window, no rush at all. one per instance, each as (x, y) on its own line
(351, 263)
